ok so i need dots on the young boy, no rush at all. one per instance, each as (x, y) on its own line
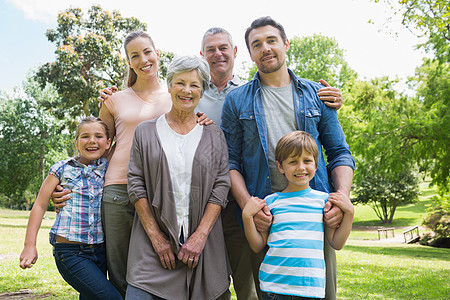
(294, 265)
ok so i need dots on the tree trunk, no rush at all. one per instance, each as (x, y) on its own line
(87, 111)
(391, 217)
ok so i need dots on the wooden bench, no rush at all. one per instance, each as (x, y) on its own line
(385, 231)
(411, 235)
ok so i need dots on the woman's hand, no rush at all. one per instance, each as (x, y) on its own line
(163, 248)
(331, 96)
(28, 257)
(191, 249)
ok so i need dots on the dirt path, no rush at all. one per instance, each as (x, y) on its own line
(23, 294)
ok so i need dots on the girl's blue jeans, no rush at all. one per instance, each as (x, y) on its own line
(84, 268)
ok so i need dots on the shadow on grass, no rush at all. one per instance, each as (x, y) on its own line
(423, 252)
(399, 222)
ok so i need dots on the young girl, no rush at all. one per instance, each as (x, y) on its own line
(77, 235)
(294, 265)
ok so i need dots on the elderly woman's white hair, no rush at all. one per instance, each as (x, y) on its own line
(181, 64)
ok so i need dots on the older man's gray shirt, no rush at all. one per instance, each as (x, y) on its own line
(212, 101)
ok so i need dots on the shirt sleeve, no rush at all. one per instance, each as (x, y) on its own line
(233, 132)
(135, 174)
(333, 140)
(57, 169)
(222, 183)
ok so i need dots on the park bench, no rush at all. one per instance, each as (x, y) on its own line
(411, 235)
(385, 232)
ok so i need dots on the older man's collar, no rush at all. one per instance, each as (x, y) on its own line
(234, 81)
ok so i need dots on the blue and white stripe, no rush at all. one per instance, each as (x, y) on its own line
(294, 263)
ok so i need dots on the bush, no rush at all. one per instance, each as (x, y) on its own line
(438, 220)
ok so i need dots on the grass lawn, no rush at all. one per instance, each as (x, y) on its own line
(376, 270)
(367, 268)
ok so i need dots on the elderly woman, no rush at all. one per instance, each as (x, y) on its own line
(178, 181)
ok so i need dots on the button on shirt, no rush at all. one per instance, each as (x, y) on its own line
(80, 220)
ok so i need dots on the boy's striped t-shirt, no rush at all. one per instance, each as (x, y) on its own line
(294, 263)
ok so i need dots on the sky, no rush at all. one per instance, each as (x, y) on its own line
(371, 48)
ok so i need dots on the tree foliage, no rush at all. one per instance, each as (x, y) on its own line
(429, 19)
(88, 58)
(432, 128)
(377, 122)
(27, 134)
(317, 57)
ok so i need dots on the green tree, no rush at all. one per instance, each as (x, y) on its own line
(377, 122)
(317, 57)
(27, 133)
(165, 58)
(88, 58)
(431, 131)
(384, 190)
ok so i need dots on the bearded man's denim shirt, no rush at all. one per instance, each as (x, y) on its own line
(245, 128)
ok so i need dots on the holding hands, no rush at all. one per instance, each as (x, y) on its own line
(258, 210)
(340, 200)
(253, 207)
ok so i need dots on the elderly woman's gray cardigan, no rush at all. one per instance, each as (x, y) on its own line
(149, 177)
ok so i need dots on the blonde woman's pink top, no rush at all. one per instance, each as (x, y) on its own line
(128, 110)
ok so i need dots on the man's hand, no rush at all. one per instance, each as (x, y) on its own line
(106, 93)
(263, 219)
(331, 96)
(203, 119)
(59, 197)
(332, 215)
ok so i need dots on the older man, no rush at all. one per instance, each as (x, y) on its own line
(220, 52)
(256, 115)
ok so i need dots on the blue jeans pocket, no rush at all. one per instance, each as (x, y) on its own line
(61, 255)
